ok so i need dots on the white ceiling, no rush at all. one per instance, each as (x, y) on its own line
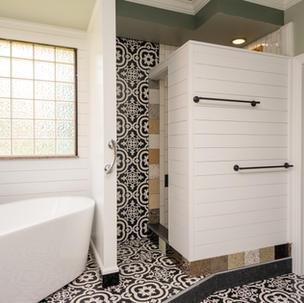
(193, 6)
(68, 13)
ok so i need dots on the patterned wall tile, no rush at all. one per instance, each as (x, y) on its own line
(154, 171)
(229, 262)
(252, 257)
(154, 111)
(219, 264)
(154, 156)
(154, 126)
(153, 94)
(134, 59)
(154, 201)
(154, 216)
(197, 268)
(236, 260)
(154, 186)
(267, 254)
(282, 251)
(154, 141)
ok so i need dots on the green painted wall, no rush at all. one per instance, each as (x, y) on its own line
(295, 14)
(238, 8)
(154, 15)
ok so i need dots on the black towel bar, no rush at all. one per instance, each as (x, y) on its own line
(197, 99)
(285, 165)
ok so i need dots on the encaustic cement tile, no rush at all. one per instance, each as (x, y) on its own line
(146, 275)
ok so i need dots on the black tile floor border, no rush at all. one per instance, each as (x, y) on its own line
(230, 279)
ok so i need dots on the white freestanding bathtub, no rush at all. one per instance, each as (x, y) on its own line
(43, 246)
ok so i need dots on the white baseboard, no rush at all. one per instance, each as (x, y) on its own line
(104, 270)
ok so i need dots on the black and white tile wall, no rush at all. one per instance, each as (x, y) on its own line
(134, 61)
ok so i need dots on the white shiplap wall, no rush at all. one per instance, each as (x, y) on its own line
(215, 211)
(165, 52)
(179, 220)
(279, 42)
(22, 179)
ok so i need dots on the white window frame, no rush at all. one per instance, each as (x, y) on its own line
(28, 32)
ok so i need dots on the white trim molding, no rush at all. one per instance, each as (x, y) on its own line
(42, 33)
(296, 214)
(104, 271)
(41, 28)
(194, 6)
(180, 6)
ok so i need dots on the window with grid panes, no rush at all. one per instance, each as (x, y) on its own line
(37, 100)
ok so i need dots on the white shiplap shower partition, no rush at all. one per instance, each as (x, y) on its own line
(214, 210)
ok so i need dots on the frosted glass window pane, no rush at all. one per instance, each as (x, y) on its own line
(45, 110)
(5, 48)
(5, 108)
(22, 50)
(22, 68)
(44, 129)
(65, 147)
(22, 89)
(5, 88)
(65, 73)
(5, 148)
(5, 67)
(22, 109)
(37, 99)
(45, 71)
(5, 128)
(22, 129)
(65, 55)
(45, 147)
(65, 129)
(65, 110)
(44, 90)
(65, 92)
(23, 147)
(43, 52)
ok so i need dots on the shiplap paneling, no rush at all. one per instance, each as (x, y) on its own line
(238, 206)
(258, 134)
(218, 127)
(239, 154)
(30, 178)
(228, 211)
(165, 52)
(178, 206)
(230, 245)
(239, 193)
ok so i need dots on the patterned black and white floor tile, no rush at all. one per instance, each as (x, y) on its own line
(283, 289)
(146, 275)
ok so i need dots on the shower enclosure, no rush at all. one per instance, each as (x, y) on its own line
(228, 155)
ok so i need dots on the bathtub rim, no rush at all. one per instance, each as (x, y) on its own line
(91, 206)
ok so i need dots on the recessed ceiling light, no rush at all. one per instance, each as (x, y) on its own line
(239, 41)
